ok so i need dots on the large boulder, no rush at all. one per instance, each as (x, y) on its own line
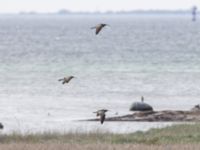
(196, 108)
(140, 106)
(1, 125)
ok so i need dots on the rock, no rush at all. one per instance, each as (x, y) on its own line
(140, 106)
(1, 126)
(157, 116)
(196, 108)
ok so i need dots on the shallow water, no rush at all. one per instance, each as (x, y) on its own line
(153, 56)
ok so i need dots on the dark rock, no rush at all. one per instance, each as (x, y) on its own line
(140, 106)
(1, 126)
(196, 108)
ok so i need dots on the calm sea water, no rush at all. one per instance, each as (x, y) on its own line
(152, 56)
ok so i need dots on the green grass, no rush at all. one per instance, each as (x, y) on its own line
(177, 134)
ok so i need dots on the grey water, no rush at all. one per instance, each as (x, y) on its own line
(155, 56)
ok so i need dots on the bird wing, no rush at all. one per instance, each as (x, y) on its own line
(93, 28)
(102, 118)
(96, 113)
(60, 79)
(64, 82)
(67, 79)
(98, 29)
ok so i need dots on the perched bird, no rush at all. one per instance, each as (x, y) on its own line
(66, 79)
(99, 27)
(102, 114)
(142, 99)
(116, 113)
(194, 13)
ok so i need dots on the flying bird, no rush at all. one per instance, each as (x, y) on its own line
(99, 27)
(102, 114)
(66, 79)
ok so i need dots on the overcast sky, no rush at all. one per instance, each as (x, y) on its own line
(13, 6)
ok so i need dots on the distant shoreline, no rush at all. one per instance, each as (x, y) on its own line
(134, 12)
(157, 116)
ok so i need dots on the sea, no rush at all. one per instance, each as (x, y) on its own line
(154, 56)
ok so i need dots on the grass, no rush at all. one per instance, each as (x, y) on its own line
(55, 146)
(177, 134)
(186, 136)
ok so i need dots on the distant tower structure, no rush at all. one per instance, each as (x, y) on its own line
(194, 13)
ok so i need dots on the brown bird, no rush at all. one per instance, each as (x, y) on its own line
(102, 114)
(99, 27)
(66, 79)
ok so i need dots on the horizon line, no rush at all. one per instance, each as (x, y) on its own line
(138, 11)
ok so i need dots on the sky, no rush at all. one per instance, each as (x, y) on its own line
(14, 6)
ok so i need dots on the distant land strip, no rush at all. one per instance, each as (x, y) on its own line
(138, 12)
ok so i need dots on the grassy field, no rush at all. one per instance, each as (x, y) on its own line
(174, 137)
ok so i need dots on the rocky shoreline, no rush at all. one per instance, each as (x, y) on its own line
(158, 116)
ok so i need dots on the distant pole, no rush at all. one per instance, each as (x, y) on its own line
(194, 12)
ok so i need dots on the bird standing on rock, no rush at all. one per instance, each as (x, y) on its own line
(99, 27)
(102, 114)
(142, 99)
(66, 79)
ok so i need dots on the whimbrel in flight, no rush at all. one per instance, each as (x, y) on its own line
(102, 114)
(66, 79)
(99, 27)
